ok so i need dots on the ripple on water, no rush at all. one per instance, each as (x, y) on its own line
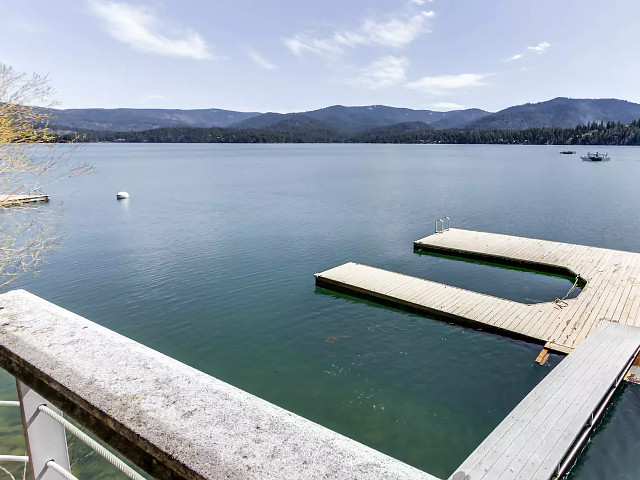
(222, 278)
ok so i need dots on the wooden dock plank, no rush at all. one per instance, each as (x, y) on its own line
(523, 413)
(426, 292)
(472, 308)
(629, 281)
(612, 291)
(516, 317)
(599, 330)
(564, 433)
(22, 198)
(602, 302)
(537, 318)
(562, 410)
(553, 313)
(525, 444)
(423, 291)
(505, 315)
(538, 433)
(635, 312)
(575, 317)
(420, 292)
(634, 283)
(492, 314)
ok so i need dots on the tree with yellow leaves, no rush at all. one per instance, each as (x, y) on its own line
(30, 161)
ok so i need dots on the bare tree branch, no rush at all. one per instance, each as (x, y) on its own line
(30, 161)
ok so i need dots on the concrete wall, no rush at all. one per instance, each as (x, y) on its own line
(170, 419)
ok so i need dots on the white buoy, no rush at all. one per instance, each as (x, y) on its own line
(122, 195)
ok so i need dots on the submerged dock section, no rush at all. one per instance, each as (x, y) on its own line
(541, 436)
(611, 291)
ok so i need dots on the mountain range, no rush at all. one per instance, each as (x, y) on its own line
(558, 112)
(135, 119)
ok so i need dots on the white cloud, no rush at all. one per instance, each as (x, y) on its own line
(384, 72)
(443, 83)
(260, 60)
(449, 106)
(421, 2)
(138, 27)
(391, 32)
(542, 47)
(395, 32)
(301, 44)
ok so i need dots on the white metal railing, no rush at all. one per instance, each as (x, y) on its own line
(164, 416)
(90, 442)
(14, 458)
(61, 470)
(40, 429)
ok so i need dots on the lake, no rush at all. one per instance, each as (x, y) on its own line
(211, 261)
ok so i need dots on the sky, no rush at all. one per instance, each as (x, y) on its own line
(298, 55)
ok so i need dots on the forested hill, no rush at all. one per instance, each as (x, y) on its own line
(348, 119)
(125, 119)
(358, 119)
(313, 131)
(559, 112)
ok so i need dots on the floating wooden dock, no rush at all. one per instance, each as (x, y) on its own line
(611, 292)
(541, 436)
(22, 198)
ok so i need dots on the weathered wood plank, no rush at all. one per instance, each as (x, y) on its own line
(612, 291)
(600, 308)
(21, 199)
(558, 439)
(502, 436)
(535, 437)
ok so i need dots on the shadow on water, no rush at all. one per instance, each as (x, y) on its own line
(505, 266)
(526, 284)
(392, 307)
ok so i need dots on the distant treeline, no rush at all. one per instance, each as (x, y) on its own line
(610, 133)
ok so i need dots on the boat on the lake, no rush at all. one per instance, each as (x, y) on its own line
(595, 157)
(568, 152)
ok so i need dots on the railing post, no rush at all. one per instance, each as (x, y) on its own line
(45, 438)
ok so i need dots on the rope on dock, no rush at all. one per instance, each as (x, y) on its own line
(560, 302)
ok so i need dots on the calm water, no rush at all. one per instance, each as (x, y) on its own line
(211, 261)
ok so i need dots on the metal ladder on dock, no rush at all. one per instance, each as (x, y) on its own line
(440, 224)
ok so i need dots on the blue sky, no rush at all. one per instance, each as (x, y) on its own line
(288, 55)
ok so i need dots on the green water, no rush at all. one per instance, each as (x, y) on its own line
(211, 261)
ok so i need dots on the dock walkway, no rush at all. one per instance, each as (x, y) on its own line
(612, 290)
(540, 437)
(22, 198)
